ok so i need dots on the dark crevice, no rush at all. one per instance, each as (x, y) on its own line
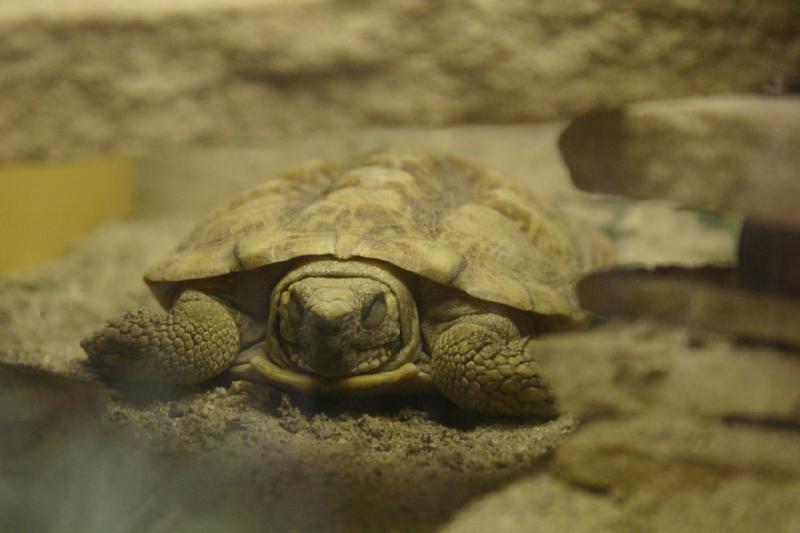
(767, 423)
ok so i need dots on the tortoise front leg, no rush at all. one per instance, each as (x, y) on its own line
(480, 362)
(195, 341)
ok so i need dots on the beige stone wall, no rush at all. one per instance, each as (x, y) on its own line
(738, 155)
(91, 76)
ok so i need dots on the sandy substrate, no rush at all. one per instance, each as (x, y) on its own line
(216, 455)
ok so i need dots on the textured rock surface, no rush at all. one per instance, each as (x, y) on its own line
(91, 75)
(679, 428)
(537, 504)
(667, 451)
(734, 154)
(713, 298)
(626, 369)
(543, 505)
(743, 505)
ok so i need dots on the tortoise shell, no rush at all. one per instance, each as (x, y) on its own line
(446, 219)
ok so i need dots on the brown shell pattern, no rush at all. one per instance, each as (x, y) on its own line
(447, 219)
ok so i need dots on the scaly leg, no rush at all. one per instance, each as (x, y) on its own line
(480, 362)
(195, 341)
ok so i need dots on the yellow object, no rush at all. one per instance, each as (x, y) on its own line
(45, 207)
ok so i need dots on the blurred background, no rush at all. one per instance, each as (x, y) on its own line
(671, 125)
(82, 79)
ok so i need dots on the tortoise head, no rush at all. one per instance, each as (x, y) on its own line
(341, 323)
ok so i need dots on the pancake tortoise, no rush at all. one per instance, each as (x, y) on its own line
(389, 272)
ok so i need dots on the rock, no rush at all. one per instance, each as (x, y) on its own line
(667, 451)
(746, 505)
(583, 368)
(670, 422)
(656, 233)
(732, 154)
(543, 504)
(536, 504)
(712, 298)
(91, 76)
(678, 431)
(625, 370)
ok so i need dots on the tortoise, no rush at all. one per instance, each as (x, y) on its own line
(386, 272)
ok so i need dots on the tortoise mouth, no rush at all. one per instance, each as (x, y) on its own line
(325, 362)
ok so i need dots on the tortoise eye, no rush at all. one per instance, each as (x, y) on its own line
(372, 316)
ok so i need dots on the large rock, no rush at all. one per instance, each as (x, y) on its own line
(716, 299)
(734, 154)
(676, 428)
(668, 451)
(537, 504)
(92, 75)
(540, 504)
(624, 370)
(745, 505)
